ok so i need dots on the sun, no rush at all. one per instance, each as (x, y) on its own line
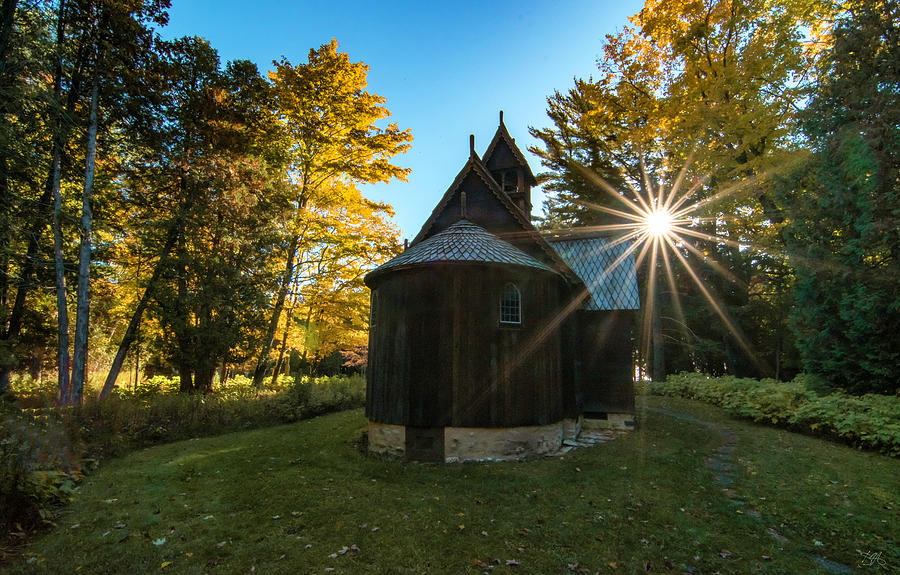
(659, 222)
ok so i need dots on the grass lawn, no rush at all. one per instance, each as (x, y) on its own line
(690, 491)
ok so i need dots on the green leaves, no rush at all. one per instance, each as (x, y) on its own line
(868, 421)
(845, 225)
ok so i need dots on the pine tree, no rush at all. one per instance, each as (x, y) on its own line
(845, 208)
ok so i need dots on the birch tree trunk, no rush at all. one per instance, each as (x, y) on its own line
(83, 305)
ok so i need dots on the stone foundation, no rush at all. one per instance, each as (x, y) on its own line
(505, 444)
(623, 421)
(387, 439)
(497, 444)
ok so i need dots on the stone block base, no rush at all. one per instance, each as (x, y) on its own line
(387, 439)
(623, 421)
(506, 444)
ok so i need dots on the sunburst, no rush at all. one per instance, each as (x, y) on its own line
(660, 225)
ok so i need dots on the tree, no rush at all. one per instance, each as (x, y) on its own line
(330, 134)
(207, 182)
(844, 232)
(702, 95)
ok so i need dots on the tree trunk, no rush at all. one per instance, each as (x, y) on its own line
(31, 261)
(185, 383)
(62, 309)
(83, 305)
(279, 363)
(172, 235)
(7, 15)
(263, 361)
(659, 357)
(223, 374)
(5, 205)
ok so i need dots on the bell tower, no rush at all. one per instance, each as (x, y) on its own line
(509, 169)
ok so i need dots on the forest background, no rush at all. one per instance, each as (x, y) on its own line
(199, 219)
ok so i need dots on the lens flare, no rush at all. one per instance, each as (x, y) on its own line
(659, 223)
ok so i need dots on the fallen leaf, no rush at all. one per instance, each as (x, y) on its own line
(612, 564)
(188, 554)
(220, 544)
(165, 564)
(512, 562)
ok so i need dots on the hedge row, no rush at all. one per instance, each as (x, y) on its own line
(44, 452)
(869, 421)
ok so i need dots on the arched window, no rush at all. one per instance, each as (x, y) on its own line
(510, 305)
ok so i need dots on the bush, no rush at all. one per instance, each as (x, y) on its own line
(38, 468)
(44, 451)
(869, 421)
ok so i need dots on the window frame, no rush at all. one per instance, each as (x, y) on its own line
(506, 306)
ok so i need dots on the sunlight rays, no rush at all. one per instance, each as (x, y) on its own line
(659, 224)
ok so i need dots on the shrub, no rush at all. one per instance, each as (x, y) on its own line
(38, 468)
(870, 421)
(44, 451)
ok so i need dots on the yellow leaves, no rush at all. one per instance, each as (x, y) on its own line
(165, 564)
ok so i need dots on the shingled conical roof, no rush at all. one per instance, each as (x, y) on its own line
(462, 242)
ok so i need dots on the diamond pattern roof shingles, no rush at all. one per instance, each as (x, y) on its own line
(463, 242)
(591, 259)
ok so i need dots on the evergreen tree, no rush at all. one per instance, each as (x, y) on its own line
(845, 208)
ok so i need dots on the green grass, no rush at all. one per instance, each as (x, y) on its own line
(285, 499)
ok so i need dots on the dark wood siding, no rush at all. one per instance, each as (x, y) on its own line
(604, 363)
(482, 208)
(439, 356)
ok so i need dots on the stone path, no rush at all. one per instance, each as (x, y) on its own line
(586, 439)
(722, 463)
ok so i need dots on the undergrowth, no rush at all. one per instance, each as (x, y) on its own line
(869, 421)
(44, 452)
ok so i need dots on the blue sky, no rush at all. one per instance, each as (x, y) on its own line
(446, 68)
